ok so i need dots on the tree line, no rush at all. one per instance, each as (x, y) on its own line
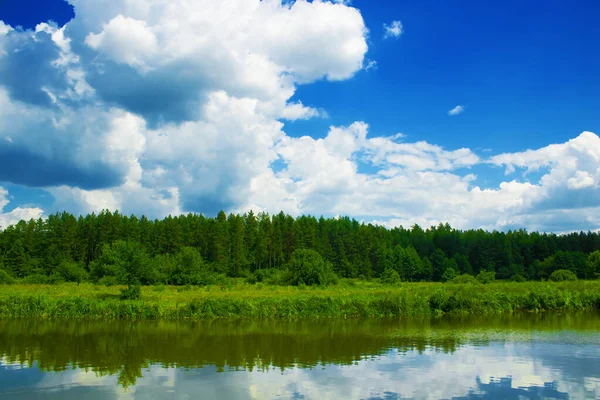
(193, 248)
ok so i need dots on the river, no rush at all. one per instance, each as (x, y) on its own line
(545, 356)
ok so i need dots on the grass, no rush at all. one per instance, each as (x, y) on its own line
(349, 299)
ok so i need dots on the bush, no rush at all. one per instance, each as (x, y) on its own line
(517, 278)
(132, 292)
(126, 261)
(449, 274)
(561, 275)
(309, 267)
(390, 276)
(5, 278)
(72, 272)
(486, 276)
(465, 279)
(108, 281)
(188, 267)
(161, 268)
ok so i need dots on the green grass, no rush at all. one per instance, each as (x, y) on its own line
(349, 299)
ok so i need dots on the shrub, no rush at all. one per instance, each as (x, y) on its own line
(161, 268)
(593, 265)
(126, 261)
(108, 281)
(449, 274)
(309, 267)
(465, 279)
(188, 267)
(561, 275)
(131, 292)
(486, 276)
(5, 278)
(517, 278)
(390, 276)
(72, 272)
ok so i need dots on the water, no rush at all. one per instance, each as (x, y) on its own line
(516, 357)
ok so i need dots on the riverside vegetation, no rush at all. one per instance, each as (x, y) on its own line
(113, 266)
(347, 299)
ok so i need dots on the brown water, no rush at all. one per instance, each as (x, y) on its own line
(515, 357)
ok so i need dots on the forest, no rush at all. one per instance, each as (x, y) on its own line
(193, 249)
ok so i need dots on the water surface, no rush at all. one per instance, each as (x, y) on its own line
(546, 356)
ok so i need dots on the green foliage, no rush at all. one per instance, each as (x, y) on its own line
(308, 266)
(365, 299)
(486, 276)
(562, 275)
(72, 272)
(126, 261)
(390, 277)
(465, 279)
(593, 269)
(194, 249)
(37, 279)
(5, 278)
(574, 261)
(269, 276)
(518, 278)
(108, 281)
(449, 274)
(161, 268)
(159, 288)
(132, 292)
(188, 267)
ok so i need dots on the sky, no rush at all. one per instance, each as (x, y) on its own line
(479, 114)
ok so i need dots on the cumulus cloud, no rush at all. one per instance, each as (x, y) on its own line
(17, 214)
(393, 30)
(178, 52)
(456, 110)
(423, 183)
(294, 111)
(174, 106)
(175, 102)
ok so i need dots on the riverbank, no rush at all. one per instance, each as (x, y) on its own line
(350, 299)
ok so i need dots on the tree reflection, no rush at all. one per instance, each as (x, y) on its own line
(126, 349)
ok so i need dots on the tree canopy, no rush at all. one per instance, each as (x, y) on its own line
(194, 249)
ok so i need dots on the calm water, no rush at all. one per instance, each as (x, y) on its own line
(519, 357)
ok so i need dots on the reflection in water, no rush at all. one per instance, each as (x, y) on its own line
(499, 389)
(520, 357)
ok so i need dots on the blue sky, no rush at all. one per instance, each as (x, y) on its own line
(152, 110)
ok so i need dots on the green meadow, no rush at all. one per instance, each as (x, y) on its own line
(347, 299)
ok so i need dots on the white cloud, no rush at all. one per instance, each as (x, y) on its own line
(17, 214)
(421, 183)
(183, 99)
(4, 28)
(125, 40)
(371, 64)
(393, 30)
(295, 111)
(166, 106)
(456, 110)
